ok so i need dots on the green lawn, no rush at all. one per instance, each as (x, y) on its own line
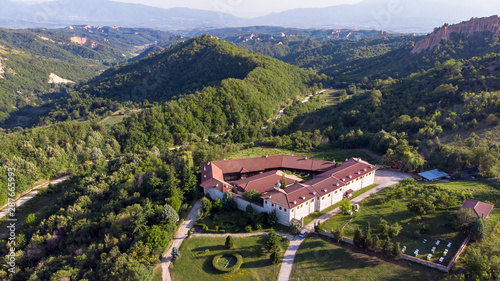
(197, 253)
(395, 210)
(316, 215)
(318, 258)
(325, 154)
(229, 221)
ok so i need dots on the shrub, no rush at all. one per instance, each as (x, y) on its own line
(189, 233)
(394, 230)
(383, 227)
(376, 244)
(275, 257)
(396, 252)
(477, 231)
(272, 219)
(175, 253)
(387, 248)
(318, 227)
(248, 228)
(217, 206)
(358, 238)
(258, 226)
(273, 241)
(229, 242)
(367, 238)
(338, 234)
(295, 226)
(345, 206)
(249, 209)
(236, 267)
(206, 205)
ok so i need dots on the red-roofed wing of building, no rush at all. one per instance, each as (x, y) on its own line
(479, 208)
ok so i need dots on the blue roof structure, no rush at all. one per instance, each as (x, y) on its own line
(433, 175)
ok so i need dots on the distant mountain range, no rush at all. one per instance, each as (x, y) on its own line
(402, 16)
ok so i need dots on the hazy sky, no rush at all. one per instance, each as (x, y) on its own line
(241, 8)
(253, 8)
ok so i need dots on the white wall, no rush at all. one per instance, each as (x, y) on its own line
(303, 210)
(283, 216)
(213, 193)
(242, 205)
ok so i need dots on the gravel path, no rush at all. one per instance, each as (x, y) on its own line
(28, 196)
(384, 178)
(179, 238)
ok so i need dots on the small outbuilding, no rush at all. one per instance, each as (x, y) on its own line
(433, 175)
(479, 208)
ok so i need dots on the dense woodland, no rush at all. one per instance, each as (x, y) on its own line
(112, 220)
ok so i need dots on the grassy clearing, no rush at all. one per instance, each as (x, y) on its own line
(320, 259)
(197, 253)
(118, 117)
(325, 154)
(485, 190)
(316, 215)
(395, 210)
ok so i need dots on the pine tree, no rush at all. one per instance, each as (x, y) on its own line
(387, 248)
(273, 241)
(477, 231)
(229, 242)
(358, 238)
(396, 252)
(175, 253)
(275, 257)
(283, 182)
(376, 244)
(338, 234)
(367, 239)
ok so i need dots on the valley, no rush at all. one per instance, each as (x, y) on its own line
(133, 115)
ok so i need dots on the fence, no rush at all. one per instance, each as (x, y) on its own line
(414, 259)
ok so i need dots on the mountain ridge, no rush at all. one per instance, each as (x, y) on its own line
(489, 24)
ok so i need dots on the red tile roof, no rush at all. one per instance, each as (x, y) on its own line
(330, 180)
(265, 181)
(478, 207)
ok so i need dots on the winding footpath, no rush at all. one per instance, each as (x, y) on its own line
(179, 238)
(30, 195)
(384, 178)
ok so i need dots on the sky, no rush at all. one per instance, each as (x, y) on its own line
(255, 8)
(240, 8)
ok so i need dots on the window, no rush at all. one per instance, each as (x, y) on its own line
(302, 205)
(284, 210)
(280, 208)
(335, 191)
(312, 200)
(265, 202)
(272, 205)
(307, 203)
(323, 198)
(329, 195)
(292, 210)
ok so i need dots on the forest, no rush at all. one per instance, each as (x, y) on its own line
(206, 97)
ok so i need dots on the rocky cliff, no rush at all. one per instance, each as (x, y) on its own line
(491, 24)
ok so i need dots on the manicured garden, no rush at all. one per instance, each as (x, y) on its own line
(388, 210)
(319, 258)
(198, 253)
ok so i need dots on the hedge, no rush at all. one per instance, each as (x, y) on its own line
(236, 267)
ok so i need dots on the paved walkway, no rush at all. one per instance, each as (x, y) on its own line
(384, 178)
(30, 195)
(179, 238)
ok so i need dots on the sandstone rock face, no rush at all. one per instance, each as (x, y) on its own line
(54, 79)
(468, 28)
(84, 41)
